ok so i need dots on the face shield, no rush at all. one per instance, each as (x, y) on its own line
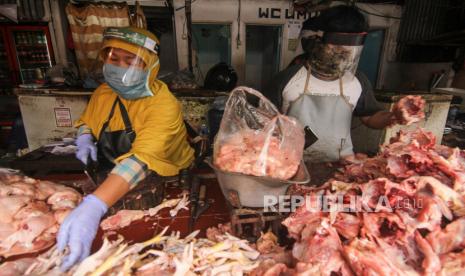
(308, 39)
(128, 59)
(337, 55)
(124, 68)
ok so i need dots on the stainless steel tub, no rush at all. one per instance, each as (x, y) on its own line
(250, 190)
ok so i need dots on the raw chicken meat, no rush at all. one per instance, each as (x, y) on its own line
(28, 230)
(121, 219)
(250, 153)
(61, 214)
(322, 251)
(453, 264)
(124, 218)
(30, 213)
(347, 225)
(213, 233)
(367, 258)
(256, 139)
(64, 198)
(32, 209)
(417, 229)
(17, 267)
(448, 239)
(411, 109)
(10, 205)
(431, 263)
(271, 268)
(267, 243)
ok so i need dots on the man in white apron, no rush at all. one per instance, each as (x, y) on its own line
(323, 92)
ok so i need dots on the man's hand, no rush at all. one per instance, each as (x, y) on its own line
(380, 120)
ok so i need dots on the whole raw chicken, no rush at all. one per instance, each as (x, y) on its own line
(31, 212)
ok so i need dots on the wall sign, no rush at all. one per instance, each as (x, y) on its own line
(63, 117)
(293, 27)
(277, 13)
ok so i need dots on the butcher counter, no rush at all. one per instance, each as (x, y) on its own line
(67, 170)
(144, 229)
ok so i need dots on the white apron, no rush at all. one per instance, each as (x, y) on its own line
(329, 117)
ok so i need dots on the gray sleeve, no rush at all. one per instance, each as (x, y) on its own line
(366, 104)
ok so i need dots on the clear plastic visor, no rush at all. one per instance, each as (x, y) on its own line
(124, 67)
(332, 61)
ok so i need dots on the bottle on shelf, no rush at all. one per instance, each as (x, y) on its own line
(23, 38)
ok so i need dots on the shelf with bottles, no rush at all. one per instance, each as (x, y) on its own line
(32, 38)
(33, 57)
(35, 64)
(32, 45)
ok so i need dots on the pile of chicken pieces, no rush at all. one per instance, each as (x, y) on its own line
(31, 212)
(257, 154)
(401, 212)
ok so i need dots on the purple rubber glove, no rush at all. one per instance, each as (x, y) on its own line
(79, 229)
(85, 146)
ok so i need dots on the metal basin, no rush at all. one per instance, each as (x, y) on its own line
(248, 191)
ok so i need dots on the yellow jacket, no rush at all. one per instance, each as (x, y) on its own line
(161, 137)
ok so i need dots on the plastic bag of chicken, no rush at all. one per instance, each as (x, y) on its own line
(255, 139)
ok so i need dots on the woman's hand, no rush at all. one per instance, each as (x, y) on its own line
(85, 147)
(79, 229)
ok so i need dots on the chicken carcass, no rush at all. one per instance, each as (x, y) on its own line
(417, 232)
(27, 223)
(64, 198)
(453, 264)
(28, 230)
(321, 252)
(17, 267)
(124, 218)
(431, 263)
(213, 233)
(121, 219)
(366, 258)
(10, 205)
(448, 239)
(411, 109)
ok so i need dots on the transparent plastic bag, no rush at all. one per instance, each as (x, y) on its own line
(257, 140)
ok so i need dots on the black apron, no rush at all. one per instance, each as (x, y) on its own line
(112, 144)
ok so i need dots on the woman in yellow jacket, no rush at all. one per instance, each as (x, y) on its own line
(138, 128)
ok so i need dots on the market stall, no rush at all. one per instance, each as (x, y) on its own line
(139, 163)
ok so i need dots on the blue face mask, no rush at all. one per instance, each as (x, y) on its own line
(128, 83)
